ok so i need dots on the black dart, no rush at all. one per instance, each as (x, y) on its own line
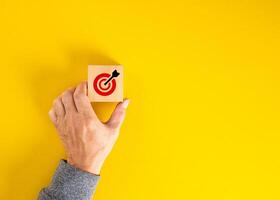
(114, 75)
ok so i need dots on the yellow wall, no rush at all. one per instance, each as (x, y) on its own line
(203, 77)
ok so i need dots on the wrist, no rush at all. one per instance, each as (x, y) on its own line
(93, 167)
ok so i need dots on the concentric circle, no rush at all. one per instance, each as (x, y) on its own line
(100, 87)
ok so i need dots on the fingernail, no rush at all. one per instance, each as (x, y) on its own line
(125, 103)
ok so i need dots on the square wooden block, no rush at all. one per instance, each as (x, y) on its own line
(105, 83)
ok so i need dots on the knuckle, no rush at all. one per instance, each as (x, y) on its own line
(66, 95)
(77, 95)
(55, 101)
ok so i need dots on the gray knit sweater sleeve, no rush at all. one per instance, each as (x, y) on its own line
(70, 183)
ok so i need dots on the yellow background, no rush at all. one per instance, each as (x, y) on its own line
(203, 78)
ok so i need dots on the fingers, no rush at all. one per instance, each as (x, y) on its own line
(81, 99)
(58, 107)
(118, 115)
(73, 100)
(53, 117)
(68, 101)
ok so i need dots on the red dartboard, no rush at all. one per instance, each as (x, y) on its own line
(102, 89)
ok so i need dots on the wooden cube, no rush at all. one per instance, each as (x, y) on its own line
(105, 83)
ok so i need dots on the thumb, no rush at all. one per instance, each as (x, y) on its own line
(118, 115)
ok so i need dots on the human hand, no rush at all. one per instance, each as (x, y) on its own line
(86, 139)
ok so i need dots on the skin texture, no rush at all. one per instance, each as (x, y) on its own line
(86, 139)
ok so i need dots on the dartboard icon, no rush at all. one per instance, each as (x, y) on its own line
(104, 84)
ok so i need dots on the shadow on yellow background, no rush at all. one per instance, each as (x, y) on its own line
(202, 76)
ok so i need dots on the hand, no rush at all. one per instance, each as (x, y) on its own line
(86, 139)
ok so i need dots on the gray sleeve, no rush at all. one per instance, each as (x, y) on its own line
(70, 183)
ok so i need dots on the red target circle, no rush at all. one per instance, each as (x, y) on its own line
(100, 88)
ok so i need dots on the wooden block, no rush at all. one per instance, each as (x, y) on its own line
(105, 83)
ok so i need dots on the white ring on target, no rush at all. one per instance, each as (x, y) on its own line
(101, 82)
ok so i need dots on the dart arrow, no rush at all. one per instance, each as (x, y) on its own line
(114, 75)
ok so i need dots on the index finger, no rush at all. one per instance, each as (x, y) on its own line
(82, 101)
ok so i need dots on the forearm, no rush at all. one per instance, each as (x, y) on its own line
(70, 183)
